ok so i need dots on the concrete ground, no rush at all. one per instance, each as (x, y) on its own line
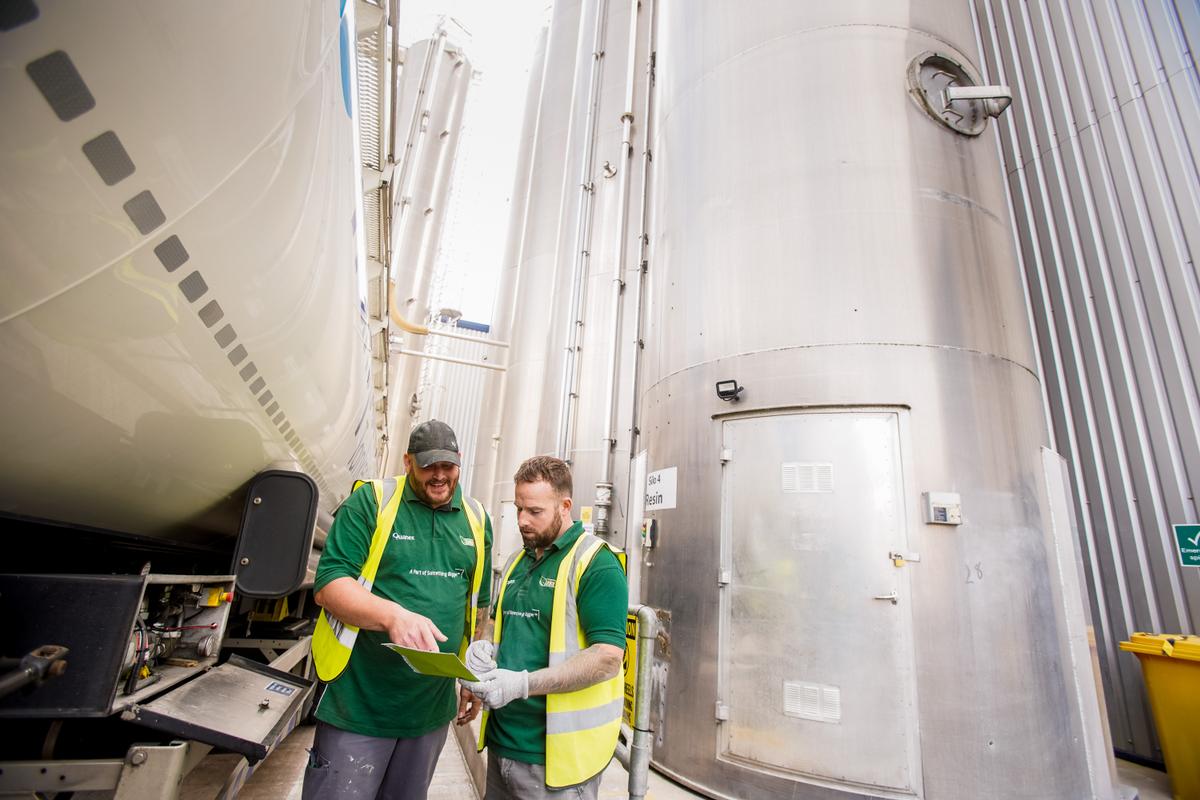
(280, 777)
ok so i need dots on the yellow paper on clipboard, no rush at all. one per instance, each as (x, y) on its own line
(442, 665)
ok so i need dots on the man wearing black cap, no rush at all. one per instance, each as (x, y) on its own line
(425, 584)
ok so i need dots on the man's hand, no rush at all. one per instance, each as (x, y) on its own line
(500, 687)
(353, 604)
(413, 630)
(468, 706)
(481, 657)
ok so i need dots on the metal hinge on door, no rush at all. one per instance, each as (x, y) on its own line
(721, 712)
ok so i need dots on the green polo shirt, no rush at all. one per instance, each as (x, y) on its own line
(518, 730)
(427, 567)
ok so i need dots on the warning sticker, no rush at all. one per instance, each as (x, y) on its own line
(631, 632)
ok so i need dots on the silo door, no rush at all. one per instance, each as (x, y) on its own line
(816, 642)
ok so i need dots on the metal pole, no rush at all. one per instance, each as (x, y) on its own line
(642, 742)
(464, 361)
(465, 338)
(583, 232)
(604, 488)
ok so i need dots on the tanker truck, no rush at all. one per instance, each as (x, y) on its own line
(207, 267)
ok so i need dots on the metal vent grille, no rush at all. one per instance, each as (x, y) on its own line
(806, 477)
(370, 69)
(372, 230)
(813, 701)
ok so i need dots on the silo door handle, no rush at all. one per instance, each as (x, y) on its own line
(891, 597)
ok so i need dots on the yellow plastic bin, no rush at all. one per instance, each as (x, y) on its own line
(1171, 665)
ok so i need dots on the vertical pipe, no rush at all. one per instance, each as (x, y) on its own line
(582, 235)
(414, 144)
(393, 13)
(643, 240)
(603, 501)
(642, 744)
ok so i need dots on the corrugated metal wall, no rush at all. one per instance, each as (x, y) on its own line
(1101, 146)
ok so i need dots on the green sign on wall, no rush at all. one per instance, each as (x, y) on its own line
(1187, 541)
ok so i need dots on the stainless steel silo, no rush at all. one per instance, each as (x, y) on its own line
(859, 535)
(569, 390)
(594, 397)
(428, 118)
(536, 264)
(481, 478)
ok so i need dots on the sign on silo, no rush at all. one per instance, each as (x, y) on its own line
(1187, 542)
(660, 489)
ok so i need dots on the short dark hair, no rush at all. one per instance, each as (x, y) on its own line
(553, 471)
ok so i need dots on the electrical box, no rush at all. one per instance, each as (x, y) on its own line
(942, 508)
(649, 533)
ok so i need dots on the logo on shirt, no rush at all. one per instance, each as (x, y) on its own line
(534, 614)
(547, 582)
(437, 573)
(403, 537)
(467, 540)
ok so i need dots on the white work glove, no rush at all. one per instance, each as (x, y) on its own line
(500, 687)
(481, 657)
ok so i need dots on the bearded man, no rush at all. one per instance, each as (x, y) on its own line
(551, 677)
(407, 560)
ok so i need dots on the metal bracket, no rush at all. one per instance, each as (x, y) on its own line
(995, 98)
(152, 771)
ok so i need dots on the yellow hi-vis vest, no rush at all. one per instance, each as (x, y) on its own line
(581, 726)
(333, 640)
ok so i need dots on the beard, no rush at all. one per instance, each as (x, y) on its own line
(443, 487)
(541, 539)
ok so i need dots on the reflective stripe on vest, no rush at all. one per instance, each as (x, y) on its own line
(475, 518)
(581, 726)
(333, 640)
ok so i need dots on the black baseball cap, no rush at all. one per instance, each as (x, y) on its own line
(433, 441)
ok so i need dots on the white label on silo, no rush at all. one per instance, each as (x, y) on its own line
(660, 489)
(806, 477)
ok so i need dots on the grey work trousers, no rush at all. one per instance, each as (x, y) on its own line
(516, 780)
(349, 766)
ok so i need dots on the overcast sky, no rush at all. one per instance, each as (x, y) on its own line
(499, 39)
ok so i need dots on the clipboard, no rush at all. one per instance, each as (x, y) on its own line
(442, 665)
